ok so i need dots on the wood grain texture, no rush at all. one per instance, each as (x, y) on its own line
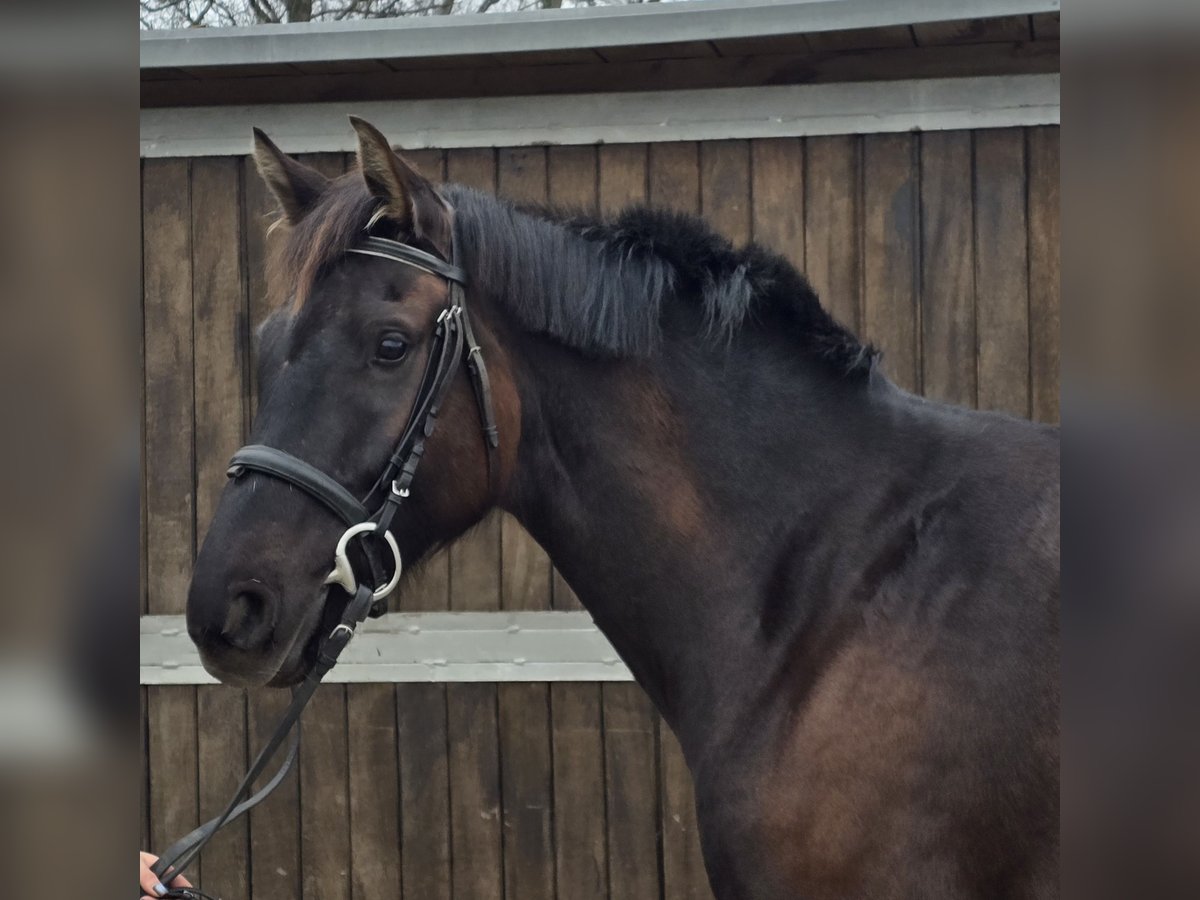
(324, 796)
(172, 760)
(684, 876)
(1045, 273)
(832, 214)
(275, 862)
(725, 188)
(632, 792)
(373, 773)
(527, 795)
(425, 868)
(891, 244)
(1001, 271)
(947, 268)
(219, 330)
(777, 196)
(169, 388)
(580, 833)
(222, 760)
(622, 176)
(475, 804)
(172, 750)
(674, 176)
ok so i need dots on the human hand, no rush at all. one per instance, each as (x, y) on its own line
(152, 888)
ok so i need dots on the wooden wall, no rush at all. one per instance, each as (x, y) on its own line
(941, 248)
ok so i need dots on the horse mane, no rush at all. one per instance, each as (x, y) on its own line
(599, 286)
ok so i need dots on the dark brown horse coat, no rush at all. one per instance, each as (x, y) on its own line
(843, 598)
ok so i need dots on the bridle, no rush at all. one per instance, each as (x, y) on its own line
(453, 342)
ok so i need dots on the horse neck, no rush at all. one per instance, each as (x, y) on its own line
(676, 495)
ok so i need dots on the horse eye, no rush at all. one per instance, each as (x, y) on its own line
(391, 348)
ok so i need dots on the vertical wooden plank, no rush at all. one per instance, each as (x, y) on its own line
(526, 798)
(832, 210)
(1044, 273)
(471, 709)
(430, 163)
(684, 875)
(524, 709)
(424, 791)
(221, 713)
(777, 190)
(947, 268)
(622, 177)
(170, 397)
(580, 836)
(168, 488)
(374, 792)
(632, 792)
(1001, 271)
(890, 248)
(475, 792)
(275, 868)
(324, 797)
(218, 327)
(671, 174)
(674, 176)
(631, 788)
(725, 188)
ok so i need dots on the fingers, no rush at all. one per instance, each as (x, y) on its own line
(147, 880)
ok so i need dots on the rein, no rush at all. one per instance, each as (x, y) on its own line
(453, 343)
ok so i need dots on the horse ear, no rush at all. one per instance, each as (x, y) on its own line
(295, 185)
(408, 197)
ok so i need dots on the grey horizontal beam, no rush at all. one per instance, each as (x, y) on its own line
(753, 112)
(526, 32)
(426, 647)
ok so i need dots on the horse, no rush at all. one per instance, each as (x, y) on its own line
(842, 597)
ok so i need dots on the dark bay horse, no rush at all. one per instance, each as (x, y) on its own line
(843, 598)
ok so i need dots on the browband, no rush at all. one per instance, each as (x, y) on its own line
(394, 250)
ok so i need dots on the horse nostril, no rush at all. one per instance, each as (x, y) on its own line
(250, 618)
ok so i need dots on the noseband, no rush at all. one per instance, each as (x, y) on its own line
(453, 342)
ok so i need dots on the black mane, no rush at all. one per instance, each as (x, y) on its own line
(600, 286)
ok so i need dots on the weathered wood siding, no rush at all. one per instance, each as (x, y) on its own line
(941, 248)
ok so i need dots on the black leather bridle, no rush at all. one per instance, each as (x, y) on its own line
(453, 342)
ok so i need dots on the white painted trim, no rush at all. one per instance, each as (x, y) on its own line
(776, 111)
(550, 30)
(426, 647)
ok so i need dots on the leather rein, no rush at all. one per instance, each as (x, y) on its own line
(368, 519)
